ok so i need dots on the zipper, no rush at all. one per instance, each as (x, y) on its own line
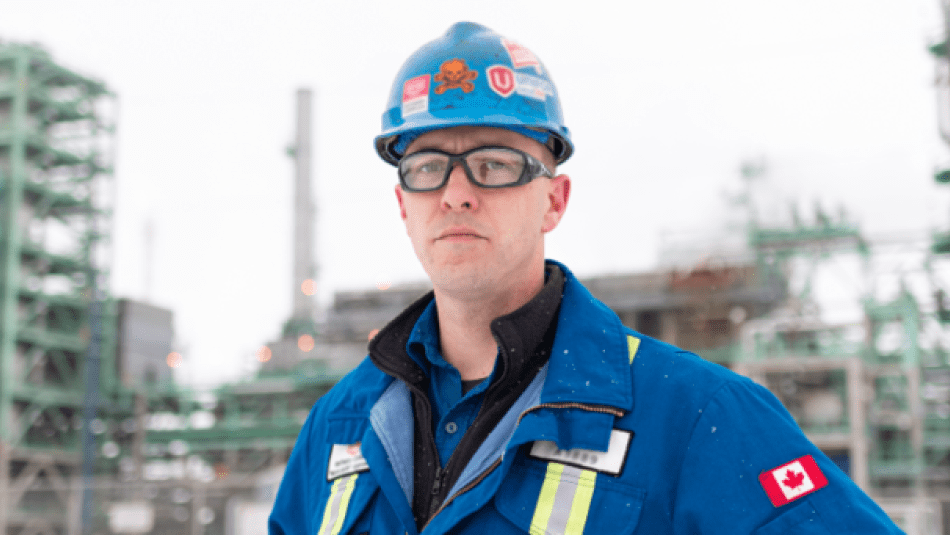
(436, 488)
(463, 490)
(603, 409)
(440, 472)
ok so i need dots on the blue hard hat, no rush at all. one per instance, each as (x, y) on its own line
(471, 76)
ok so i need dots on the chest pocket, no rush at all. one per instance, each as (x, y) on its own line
(345, 505)
(551, 498)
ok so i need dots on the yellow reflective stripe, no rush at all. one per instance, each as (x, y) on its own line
(581, 504)
(570, 491)
(345, 503)
(633, 344)
(328, 510)
(542, 512)
(339, 500)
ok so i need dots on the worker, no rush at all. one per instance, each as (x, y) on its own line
(508, 399)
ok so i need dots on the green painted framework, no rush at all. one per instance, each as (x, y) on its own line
(55, 195)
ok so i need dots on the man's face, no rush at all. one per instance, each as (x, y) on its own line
(475, 241)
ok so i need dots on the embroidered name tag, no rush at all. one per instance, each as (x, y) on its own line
(345, 459)
(610, 462)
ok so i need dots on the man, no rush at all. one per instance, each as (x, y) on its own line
(509, 400)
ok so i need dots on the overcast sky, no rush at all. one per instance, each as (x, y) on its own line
(664, 100)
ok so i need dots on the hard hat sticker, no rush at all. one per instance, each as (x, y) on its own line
(501, 80)
(455, 74)
(533, 86)
(415, 95)
(520, 56)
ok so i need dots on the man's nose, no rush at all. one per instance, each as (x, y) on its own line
(459, 193)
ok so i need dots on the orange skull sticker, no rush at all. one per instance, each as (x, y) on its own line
(455, 74)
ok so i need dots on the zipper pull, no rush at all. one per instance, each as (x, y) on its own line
(434, 502)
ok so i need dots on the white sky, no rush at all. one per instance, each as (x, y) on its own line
(664, 99)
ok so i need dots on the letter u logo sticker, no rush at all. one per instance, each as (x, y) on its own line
(501, 79)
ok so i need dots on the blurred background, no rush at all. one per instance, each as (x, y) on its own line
(197, 238)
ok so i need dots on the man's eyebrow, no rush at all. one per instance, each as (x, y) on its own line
(425, 147)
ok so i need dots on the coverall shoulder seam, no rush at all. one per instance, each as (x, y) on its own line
(695, 424)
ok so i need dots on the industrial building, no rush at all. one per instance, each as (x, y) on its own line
(96, 436)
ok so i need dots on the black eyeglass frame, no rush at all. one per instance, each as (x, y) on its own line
(533, 168)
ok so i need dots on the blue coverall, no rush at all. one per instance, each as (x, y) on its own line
(618, 434)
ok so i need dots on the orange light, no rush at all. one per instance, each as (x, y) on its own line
(174, 359)
(221, 470)
(305, 343)
(264, 354)
(372, 334)
(383, 285)
(308, 287)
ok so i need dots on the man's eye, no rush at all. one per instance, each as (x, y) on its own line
(430, 167)
(495, 165)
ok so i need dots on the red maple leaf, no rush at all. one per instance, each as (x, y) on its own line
(792, 479)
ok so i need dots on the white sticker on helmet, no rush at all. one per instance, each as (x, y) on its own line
(415, 95)
(520, 56)
(533, 86)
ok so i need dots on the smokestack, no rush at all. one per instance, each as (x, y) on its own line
(304, 266)
(299, 331)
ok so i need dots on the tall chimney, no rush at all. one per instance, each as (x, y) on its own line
(304, 265)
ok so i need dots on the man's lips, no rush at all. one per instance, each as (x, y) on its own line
(458, 232)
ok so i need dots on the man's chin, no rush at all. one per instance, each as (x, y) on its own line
(459, 275)
(458, 256)
(456, 267)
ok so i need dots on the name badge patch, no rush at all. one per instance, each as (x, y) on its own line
(345, 459)
(610, 462)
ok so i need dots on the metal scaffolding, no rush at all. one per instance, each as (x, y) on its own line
(56, 325)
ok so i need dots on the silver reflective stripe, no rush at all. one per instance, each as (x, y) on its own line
(563, 499)
(337, 504)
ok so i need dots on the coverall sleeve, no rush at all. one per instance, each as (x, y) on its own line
(743, 433)
(290, 515)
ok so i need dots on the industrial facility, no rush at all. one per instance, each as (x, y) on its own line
(96, 436)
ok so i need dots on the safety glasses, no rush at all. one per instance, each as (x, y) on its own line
(486, 167)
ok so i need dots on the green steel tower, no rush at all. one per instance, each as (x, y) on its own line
(56, 322)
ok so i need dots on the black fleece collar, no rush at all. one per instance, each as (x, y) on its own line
(519, 335)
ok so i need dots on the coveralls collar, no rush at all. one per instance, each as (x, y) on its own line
(590, 339)
(589, 361)
(521, 333)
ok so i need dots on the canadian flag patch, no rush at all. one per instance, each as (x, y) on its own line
(792, 480)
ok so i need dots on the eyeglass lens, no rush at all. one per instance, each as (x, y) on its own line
(490, 167)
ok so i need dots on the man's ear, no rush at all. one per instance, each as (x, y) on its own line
(402, 206)
(558, 195)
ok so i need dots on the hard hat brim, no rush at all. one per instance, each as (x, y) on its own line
(558, 142)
